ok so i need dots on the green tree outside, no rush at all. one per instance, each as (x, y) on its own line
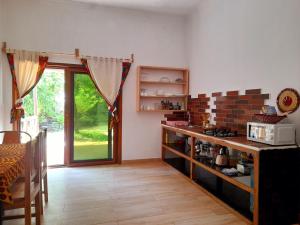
(90, 112)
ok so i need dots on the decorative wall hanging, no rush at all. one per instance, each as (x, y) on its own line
(288, 100)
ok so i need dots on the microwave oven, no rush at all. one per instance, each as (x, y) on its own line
(272, 134)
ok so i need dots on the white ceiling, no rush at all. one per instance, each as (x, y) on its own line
(179, 7)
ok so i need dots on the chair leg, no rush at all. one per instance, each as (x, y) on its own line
(42, 202)
(38, 209)
(2, 213)
(28, 213)
(45, 181)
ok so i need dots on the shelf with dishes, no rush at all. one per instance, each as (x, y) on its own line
(163, 96)
(161, 110)
(162, 82)
(241, 180)
(161, 89)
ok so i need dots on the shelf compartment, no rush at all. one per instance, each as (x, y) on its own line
(229, 179)
(163, 68)
(148, 77)
(162, 110)
(211, 139)
(161, 82)
(163, 96)
(182, 164)
(176, 152)
(234, 197)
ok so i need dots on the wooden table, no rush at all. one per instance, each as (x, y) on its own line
(12, 162)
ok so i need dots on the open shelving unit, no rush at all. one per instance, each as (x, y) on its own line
(156, 84)
(251, 197)
(212, 169)
(191, 165)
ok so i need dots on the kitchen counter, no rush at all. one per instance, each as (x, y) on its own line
(239, 142)
(273, 184)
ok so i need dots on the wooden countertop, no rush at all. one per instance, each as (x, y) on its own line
(240, 142)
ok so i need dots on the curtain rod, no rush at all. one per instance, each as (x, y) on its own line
(76, 54)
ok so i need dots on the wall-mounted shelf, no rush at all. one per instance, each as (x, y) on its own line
(163, 111)
(163, 96)
(156, 84)
(164, 83)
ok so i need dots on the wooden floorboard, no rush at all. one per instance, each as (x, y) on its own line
(141, 193)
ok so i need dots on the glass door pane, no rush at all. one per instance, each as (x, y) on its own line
(92, 139)
(44, 108)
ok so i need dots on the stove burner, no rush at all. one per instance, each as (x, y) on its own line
(220, 132)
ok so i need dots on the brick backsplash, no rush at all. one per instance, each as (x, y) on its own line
(232, 111)
(197, 106)
(235, 110)
(177, 116)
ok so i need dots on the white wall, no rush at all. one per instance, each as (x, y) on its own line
(155, 39)
(242, 44)
(230, 45)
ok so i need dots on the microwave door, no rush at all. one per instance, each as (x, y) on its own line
(285, 135)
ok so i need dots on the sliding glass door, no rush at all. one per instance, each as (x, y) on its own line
(67, 102)
(91, 134)
(44, 108)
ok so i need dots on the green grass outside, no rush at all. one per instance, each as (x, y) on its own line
(90, 150)
(91, 143)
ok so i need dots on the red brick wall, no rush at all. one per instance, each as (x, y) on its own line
(197, 106)
(235, 110)
(177, 116)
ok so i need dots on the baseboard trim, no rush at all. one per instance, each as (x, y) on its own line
(131, 161)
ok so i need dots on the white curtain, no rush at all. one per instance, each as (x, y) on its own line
(26, 70)
(107, 74)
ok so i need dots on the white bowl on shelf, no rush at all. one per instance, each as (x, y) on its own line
(168, 94)
(164, 80)
(179, 94)
(151, 93)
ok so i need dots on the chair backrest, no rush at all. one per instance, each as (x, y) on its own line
(11, 137)
(14, 137)
(32, 165)
(43, 142)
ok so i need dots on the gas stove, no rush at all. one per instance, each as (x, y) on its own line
(220, 132)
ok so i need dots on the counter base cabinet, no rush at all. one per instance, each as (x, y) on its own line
(177, 162)
(279, 187)
(269, 196)
(237, 198)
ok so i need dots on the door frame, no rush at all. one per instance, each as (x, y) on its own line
(70, 106)
(71, 69)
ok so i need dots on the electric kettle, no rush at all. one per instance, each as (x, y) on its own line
(222, 158)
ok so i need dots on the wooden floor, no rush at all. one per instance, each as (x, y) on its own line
(150, 193)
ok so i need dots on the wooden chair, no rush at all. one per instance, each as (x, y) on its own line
(11, 137)
(44, 176)
(28, 189)
(14, 137)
